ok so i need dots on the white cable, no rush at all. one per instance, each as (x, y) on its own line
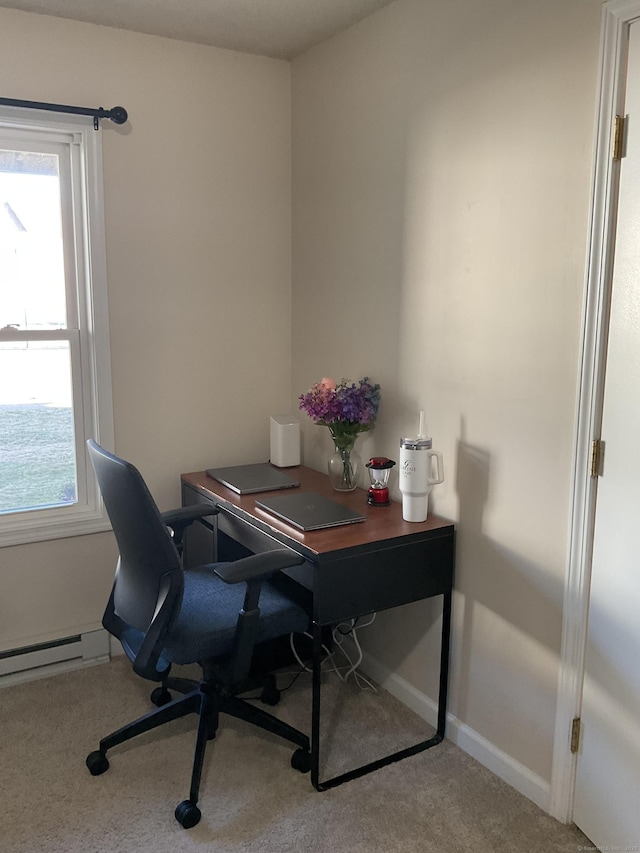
(338, 638)
(297, 657)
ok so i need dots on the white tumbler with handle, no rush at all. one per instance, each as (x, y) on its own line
(416, 475)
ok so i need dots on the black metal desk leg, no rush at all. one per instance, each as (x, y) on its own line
(444, 664)
(315, 707)
(437, 738)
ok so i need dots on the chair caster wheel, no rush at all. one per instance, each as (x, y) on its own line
(270, 696)
(301, 760)
(187, 814)
(97, 763)
(160, 696)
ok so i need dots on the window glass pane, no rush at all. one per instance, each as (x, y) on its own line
(37, 440)
(32, 281)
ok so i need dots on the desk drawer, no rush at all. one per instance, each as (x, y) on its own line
(201, 538)
(236, 538)
(382, 579)
(254, 540)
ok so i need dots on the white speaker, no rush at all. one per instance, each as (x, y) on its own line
(285, 441)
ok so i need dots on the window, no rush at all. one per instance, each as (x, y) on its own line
(54, 352)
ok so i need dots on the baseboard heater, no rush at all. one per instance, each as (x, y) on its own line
(44, 659)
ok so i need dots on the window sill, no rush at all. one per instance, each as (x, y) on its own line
(31, 531)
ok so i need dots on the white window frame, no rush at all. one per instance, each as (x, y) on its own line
(86, 277)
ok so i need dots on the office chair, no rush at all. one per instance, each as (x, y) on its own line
(213, 615)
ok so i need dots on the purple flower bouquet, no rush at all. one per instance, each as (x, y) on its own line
(347, 409)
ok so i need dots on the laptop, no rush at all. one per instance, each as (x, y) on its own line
(309, 511)
(247, 479)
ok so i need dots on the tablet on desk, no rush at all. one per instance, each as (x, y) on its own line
(309, 511)
(247, 479)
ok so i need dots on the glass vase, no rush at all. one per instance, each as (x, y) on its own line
(344, 466)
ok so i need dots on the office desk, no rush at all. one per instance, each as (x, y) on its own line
(349, 571)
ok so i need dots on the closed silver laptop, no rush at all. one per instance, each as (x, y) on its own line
(248, 479)
(309, 511)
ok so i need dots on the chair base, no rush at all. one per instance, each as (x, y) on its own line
(206, 701)
(265, 682)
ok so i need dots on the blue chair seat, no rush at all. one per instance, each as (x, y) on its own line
(207, 600)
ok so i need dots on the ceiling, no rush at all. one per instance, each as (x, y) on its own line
(282, 29)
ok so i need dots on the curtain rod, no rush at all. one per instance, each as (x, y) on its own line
(115, 114)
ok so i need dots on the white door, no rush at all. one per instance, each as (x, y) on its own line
(607, 795)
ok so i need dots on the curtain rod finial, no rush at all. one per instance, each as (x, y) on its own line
(118, 115)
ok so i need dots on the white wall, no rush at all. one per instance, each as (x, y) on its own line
(197, 206)
(441, 176)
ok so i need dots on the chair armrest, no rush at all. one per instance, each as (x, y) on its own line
(177, 520)
(183, 516)
(257, 565)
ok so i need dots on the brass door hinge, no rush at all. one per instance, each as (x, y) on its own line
(619, 126)
(575, 734)
(597, 455)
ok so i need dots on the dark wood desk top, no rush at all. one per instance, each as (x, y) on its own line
(382, 523)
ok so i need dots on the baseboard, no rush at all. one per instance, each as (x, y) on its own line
(43, 660)
(486, 753)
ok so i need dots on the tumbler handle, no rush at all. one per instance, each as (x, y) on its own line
(439, 465)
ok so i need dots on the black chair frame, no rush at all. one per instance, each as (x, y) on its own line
(225, 678)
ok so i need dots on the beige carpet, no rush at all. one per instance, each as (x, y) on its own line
(251, 799)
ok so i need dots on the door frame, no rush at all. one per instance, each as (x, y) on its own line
(617, 16)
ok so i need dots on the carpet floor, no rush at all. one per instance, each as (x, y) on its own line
(252, 801)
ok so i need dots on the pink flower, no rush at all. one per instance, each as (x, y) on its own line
(327, 384)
